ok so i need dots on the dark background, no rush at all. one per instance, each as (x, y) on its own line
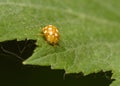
(13, 73)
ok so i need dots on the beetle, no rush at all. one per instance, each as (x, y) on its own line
(51, 34)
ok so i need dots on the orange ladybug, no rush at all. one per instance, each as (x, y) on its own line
(51, 34)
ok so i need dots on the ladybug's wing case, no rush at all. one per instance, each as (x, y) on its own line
(51, 34)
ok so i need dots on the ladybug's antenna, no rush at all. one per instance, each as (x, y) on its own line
(11, 53)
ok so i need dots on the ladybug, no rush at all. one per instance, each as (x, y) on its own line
(51, 34)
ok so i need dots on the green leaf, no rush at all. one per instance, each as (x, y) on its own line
(89, 33)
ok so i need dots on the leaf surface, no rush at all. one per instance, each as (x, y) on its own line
(89, 33)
